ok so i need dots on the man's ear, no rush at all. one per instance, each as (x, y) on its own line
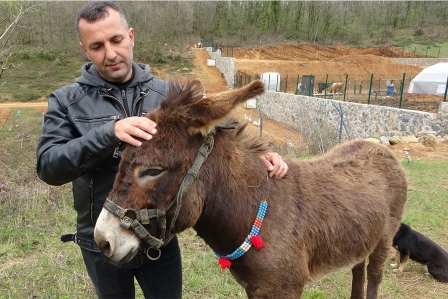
(131, 36)
(84, 50)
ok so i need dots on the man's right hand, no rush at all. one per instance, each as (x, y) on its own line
(130, 128)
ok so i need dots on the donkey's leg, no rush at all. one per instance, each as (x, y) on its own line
(358, 278)
(284, 290)
(375, 267)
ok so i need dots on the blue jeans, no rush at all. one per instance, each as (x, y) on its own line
(161, 278)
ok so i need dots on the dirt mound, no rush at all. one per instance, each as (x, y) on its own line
(298, 60)
(332, 64)
(314, 52)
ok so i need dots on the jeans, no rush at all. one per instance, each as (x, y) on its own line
(161, 278)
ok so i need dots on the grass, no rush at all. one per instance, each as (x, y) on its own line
(35, 264)
(40, 72)
(435, 50)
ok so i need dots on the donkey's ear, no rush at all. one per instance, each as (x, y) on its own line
(212, 110)
(237, 96)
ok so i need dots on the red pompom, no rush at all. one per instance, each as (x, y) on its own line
(257, 242)
(224, 263)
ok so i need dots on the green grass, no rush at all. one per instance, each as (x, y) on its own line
(34, 79)
(34, 263)
(40, 72)
(434, 50)
(427, 196)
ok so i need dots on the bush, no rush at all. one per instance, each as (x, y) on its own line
(36, 53)
(418, 32)
(61, 59)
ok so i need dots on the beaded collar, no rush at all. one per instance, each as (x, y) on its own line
(252, 239)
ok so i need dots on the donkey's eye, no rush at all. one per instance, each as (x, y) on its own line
(151, 172)
(144, 176)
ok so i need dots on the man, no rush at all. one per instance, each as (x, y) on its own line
(86, 127)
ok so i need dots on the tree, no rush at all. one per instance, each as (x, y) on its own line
(10, 17)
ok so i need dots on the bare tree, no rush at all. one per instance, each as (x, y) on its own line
(8, 23)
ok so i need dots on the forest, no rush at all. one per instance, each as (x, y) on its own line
(178, 24)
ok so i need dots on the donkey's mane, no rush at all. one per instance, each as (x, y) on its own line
(248, 140)
(180, 93)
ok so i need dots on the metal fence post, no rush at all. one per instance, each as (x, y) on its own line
(446, 89)
(297, 84)
(401, 92)
(345, 86)
(370, 88)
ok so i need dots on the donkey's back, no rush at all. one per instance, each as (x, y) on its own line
(345, 207)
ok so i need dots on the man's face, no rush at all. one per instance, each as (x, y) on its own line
(108, 43)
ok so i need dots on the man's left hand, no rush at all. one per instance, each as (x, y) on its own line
(276, 166)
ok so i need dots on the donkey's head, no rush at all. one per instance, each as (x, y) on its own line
(147, 204)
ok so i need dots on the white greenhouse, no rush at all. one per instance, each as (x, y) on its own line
(432, 80)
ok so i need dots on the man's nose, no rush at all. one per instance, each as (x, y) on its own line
(110, 53)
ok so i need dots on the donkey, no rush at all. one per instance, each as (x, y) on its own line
(275, 235)
(336, 87)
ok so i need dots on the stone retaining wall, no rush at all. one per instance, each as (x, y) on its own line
(357, 120)
(420, 61)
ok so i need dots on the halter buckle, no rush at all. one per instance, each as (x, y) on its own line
(126, 222)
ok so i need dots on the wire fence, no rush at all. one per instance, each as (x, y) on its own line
(352, 88)
(373, 89)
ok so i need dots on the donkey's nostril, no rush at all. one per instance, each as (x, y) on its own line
(105, 248)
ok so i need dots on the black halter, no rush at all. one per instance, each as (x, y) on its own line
(136, 219)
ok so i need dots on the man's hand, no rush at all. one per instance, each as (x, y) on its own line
(275, 165)
(131, 128)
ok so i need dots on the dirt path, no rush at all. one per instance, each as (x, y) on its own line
(210, 76)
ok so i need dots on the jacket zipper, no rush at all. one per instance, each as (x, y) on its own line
(116, 100)
(124, 100)
(142, 95)
(112, 117)
(91, 200)
(117, 149)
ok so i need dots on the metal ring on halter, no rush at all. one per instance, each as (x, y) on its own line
(153, 258)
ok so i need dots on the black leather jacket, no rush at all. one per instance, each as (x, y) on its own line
(78, 143)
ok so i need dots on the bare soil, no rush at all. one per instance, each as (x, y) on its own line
(305, 59)
(319, 61)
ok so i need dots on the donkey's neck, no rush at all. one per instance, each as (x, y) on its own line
(233, 194)
(227, 227)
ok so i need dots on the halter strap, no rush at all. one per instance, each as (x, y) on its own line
(127, 222)
(143, 216)
(202, 155)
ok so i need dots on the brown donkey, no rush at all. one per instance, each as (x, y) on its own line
(276, 236)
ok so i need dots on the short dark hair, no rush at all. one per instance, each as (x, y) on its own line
(96, 10)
